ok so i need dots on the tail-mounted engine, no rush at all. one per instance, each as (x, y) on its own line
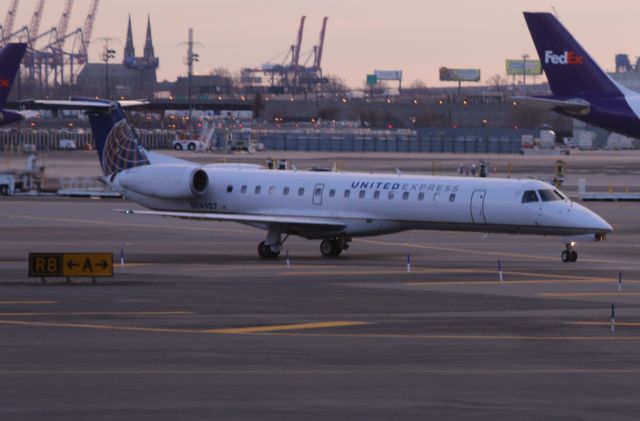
(168, 181)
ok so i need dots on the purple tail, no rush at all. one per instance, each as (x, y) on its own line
(10, 57)
(570, 70)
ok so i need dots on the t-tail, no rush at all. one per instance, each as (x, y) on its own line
(581, 89)
(118, 145)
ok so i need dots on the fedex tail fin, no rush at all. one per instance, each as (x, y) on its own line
(10, 57)
(571, 72)
(118, 145)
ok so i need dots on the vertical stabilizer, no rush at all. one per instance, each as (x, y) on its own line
(10, 57)
(570, 70)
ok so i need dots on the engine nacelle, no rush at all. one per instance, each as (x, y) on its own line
(168, 181)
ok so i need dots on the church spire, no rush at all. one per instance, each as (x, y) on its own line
(148, 44)
(129, 49)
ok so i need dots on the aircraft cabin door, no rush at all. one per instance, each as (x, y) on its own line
(317, 194)
(477, 206)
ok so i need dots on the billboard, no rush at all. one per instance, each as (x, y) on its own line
(388, 74)
(531, 67)
(459, 75)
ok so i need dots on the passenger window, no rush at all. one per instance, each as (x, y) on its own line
(300, 191)
(549, 195)
(361, 194)
(421, 196)
(347, 193)
(317, 192)
(392, 195)
(243, 189)
(405, 195)
(452, 197)
(529, 196)
(229, 188)
(332, 192)
(285, 191)
(376, 194)
(258, 188)
(272, 190)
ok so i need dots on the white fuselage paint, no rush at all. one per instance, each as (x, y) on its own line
(417, 202)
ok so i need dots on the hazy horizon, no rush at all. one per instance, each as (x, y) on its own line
(417, 37)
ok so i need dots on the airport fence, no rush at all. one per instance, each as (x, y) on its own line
(393, 141)
(48, 140)
(332, 140)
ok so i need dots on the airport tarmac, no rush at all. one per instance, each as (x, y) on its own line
(195, 326)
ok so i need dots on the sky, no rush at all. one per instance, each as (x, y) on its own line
(415, 36)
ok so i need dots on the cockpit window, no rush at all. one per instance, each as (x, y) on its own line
(549, 195)
(559, 193)
(529, 196)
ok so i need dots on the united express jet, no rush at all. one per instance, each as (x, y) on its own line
(581, 89)
(333, 207)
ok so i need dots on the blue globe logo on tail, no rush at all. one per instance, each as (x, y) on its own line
(122, 150)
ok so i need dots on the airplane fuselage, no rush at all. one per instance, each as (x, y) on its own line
(372, 204)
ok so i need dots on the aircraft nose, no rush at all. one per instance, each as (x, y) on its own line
(592, 220)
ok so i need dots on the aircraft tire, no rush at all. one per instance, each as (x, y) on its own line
(331, 248)
(265, 252)
(566, 256)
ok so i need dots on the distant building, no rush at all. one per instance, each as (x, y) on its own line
(134, 78)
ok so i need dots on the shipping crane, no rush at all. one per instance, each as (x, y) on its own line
(7, 28)
(36, 18)
(292, 75)
(63, 24)
(318, 59)
(87, 31)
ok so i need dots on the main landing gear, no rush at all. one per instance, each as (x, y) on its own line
(266, 252)
(271, 247)
(332, 247)
(569, 254)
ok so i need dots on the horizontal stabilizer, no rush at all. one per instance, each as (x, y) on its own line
(290, 221)
(576, 106)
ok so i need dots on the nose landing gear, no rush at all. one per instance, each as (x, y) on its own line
(569, 254)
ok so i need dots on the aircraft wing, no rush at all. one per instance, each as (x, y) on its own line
(290, 221)
(45, 104)
(575, 106)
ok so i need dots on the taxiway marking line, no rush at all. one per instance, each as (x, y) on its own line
(99, 313)
(380, 272)
(26, 302)
(559, 278)
(585, 323)
(611, 338)
(324, 371)
(520, 282)
(118, 224)
(589, 294)
(478, 252)
(229, 331)
(279, 328)
(253, 267)
(96, 326)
